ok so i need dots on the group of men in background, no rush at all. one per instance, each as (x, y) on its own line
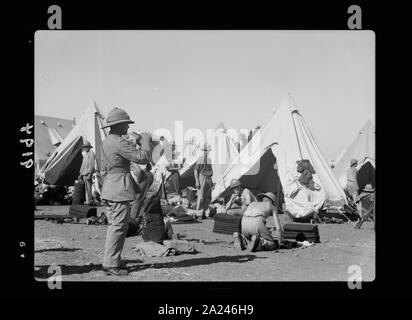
(125, 186)
(127, 178)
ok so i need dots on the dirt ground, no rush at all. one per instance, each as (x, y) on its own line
(77, 248)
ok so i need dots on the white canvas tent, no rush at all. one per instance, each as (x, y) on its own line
(49, 132)
(362, 149)
(63, 166)
(223, 154)
(269, 161)
(159, 168)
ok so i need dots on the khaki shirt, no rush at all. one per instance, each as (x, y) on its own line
(117, 153)
(88, 164)
(351, 176)
(259, 209)
(246, 198)
(204, 166)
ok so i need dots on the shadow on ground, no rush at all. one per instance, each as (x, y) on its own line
(194, 262)
(42, 271)
(58, 250)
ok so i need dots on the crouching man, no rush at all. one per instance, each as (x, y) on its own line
(255, 235)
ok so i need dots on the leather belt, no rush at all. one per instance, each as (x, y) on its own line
(260, 215)
(118, 170)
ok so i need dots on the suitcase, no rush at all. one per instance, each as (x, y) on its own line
(301, 232)
(79, 195)
(82, 211)
(227, 224)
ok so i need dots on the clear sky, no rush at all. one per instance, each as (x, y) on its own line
(205, 77)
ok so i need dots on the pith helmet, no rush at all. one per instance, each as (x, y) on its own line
(368, 188)
(87, 144)
(116, 116)
(271, 196)
(234, 183)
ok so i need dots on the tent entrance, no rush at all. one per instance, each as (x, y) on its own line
(366, 175)
(263, 177)
(187, 179)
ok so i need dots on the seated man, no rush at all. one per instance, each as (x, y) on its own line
(255, 235)
(240, 199)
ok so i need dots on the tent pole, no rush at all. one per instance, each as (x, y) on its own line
(297, 137)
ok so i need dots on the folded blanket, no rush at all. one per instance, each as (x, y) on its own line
(180, 246)
(153, 249)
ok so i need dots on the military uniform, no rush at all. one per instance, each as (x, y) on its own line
(254, 224)
(119, 190)
(86, 174)
(352, 183)
(204, 168)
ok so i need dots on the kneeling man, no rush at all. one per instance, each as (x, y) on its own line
(255, 235)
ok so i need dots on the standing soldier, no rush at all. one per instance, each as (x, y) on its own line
(87, 170)
(352, 183)
(203, 176)
(118, 185)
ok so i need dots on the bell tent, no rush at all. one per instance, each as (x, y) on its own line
(363, 150)
(223, 154)
(269, 163)
(63, 166)
(49, 132)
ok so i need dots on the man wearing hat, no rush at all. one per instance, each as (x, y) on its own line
(240, 199)
(87, 169)
(118, 185)
(352, 182)
(255, 235)
(203, 176)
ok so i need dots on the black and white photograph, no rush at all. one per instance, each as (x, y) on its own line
(204, 155)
